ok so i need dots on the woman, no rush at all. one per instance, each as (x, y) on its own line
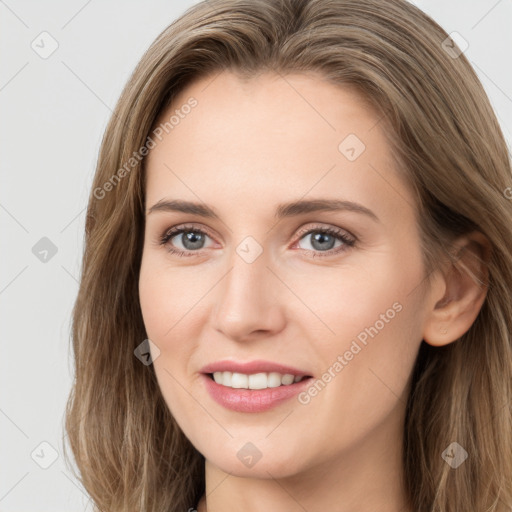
(296, 277)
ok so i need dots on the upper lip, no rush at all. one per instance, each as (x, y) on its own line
(251, 367)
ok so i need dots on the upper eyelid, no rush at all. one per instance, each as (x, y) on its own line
(185, 227)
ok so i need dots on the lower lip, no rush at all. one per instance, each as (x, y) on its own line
(253, 400)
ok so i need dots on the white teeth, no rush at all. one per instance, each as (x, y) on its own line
(287, 379)
(274, 380)
(239, 380)
(255, 380)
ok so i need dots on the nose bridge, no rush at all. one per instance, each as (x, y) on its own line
(247, 297)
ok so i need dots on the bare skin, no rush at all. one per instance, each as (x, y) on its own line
(245, 148)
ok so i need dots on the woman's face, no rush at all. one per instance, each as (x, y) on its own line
(260, 281)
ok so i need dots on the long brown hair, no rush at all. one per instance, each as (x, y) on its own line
(130, 452)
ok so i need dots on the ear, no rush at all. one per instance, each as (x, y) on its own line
(460, 291)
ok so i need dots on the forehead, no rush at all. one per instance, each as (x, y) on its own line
(272, 136)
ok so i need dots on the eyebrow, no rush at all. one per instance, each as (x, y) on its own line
(282, 211)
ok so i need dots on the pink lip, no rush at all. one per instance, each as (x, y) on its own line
(252, 400)
(250, 367)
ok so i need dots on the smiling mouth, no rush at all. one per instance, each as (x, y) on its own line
(262, 380)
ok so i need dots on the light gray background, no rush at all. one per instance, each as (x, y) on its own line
(54, 112)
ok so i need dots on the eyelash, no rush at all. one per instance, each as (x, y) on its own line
(348, 242)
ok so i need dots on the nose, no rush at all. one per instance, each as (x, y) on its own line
(249, 301)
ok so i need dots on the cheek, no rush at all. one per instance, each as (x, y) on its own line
(344, 303)
(170, 300)
(164, 311)
(151, 300)
(163, 293)
(369, 319)
(158, 302)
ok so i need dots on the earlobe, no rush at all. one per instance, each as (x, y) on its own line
(465, 283)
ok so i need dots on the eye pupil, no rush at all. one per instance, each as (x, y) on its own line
(191, 235)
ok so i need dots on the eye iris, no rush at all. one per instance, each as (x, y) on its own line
(192, 236)
(319, 238)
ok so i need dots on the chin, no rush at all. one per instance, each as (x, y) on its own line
(259, 459)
